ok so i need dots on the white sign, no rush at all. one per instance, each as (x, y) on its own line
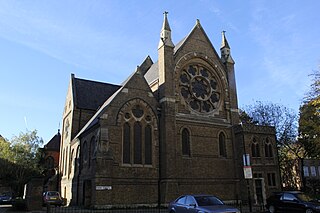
(247, 172)
(100, 188)
(246, 159)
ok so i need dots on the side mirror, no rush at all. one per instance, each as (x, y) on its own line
(193, 204)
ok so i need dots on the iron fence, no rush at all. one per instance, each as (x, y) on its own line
(127, 210)
(241, 207)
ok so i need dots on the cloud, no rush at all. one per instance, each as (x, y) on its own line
(282, 43)
(72, 39)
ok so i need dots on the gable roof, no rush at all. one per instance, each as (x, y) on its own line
(152, 74)
(132, 80)
(83, 90)
(54, 143)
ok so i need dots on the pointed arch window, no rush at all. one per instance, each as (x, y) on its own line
(65, 161)
(62, 162)
(66, 128)
(185, 139)
(138, 126)
(222, 145)
(71, 160)
(91, 150)
(126, 144)
(148, 145)
(255, 148)
(85, 153)
(76, 162)
(137, 143)
(268, 149)
(49, 163)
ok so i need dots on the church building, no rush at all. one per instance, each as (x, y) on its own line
(171, 128)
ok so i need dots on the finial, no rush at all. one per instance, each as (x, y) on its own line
(198, 22)
(224, 40)
(225, 50)
(165, 34)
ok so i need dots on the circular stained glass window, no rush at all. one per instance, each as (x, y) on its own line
(199, 88)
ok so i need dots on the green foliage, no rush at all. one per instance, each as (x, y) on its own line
(285, 122)
(270, 114)
(20, 159)
(26, 148)
(309, 121)
(5, 149)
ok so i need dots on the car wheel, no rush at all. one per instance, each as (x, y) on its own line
(309, 211)
(272, 209)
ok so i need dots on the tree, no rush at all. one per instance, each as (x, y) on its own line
(20, 159)
(309, 129)
(5, 150)
(313, 95)
(270, 114)
(26, 148)
(309, 120)
(285, 122)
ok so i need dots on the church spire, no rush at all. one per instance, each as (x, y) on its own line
(165, 34)
(225, 50)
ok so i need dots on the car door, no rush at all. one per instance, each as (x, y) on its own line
(191, 205)
(289, 203)
(180, 205)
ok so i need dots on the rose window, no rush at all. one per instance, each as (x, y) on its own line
(199, 88)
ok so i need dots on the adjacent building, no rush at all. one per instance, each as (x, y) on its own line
(51, 155)
(170, 128)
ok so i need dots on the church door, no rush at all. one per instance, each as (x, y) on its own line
(259, 191)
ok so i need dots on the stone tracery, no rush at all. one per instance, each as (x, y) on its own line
(199, 88)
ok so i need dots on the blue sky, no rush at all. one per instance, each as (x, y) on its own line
(275, 45)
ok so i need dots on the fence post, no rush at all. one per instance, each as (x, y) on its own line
(48, 208)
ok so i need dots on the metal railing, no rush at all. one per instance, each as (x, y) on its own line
(241, 207)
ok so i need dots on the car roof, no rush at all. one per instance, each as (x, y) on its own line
(291, 192)
(197, 195)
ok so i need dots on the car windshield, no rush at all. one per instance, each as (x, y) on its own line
(208, 201)
(303, 197)
(53, 194)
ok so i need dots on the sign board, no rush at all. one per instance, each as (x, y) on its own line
(247, 172)
(100, 188)
(246, 159)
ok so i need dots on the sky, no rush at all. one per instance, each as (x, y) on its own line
(275, 45)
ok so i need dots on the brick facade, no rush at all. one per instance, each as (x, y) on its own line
(169, 129)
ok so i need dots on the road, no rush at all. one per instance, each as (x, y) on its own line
(4, 208)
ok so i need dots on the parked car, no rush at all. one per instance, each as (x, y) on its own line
(292, 201)
(52, 198)
(200, 204)
(6, 198)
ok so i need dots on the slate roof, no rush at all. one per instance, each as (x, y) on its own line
(92, 94)
(54, 143)
(152, 73)
(101, 110)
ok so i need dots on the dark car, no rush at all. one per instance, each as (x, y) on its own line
(5, 198)
(292, 201)
(200, 204)
(52, 198)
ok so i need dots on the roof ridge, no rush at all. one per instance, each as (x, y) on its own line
(94, 81)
